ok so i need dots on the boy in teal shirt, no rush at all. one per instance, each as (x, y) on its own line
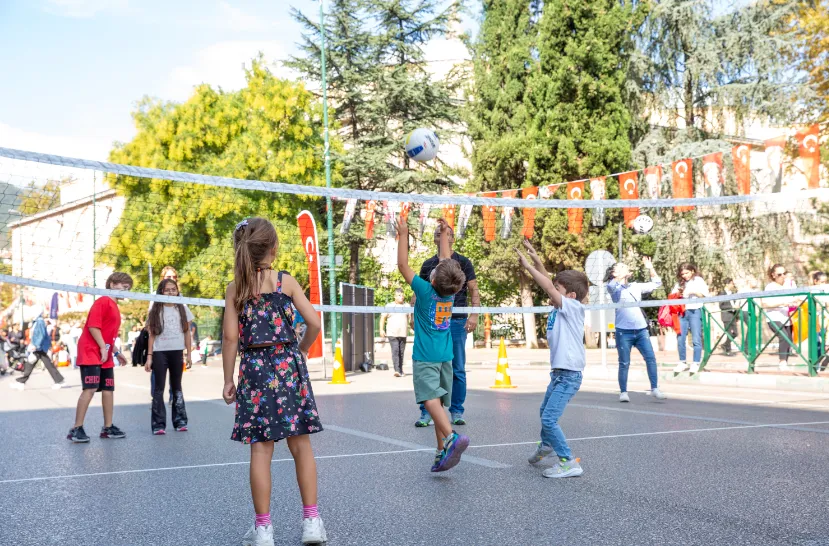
(432, 357)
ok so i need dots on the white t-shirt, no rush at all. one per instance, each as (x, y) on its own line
(566, 337)
(171, 337)
(779, 314)
(696, 285)
(398, 323)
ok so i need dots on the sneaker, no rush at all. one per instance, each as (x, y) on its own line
(17, 385)
(540, 452)
(396, 374)
(205, 366)
(181, 428)
(313, 531)
(258, 536)
(624, 397)
(656, 393)
(564, 469)
(77, 435)
(424, 421)
(438, 457)
(58, 386)
(112, 432)
(694, 368)
(681, 367)
(457, 419)
(159, 432)
(453, 448)
(783, 366)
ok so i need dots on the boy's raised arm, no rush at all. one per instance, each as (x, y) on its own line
(444, 250)
(541, 279)
(403, 266)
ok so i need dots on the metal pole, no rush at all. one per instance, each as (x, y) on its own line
(94, 225)
(603, 320)
(332, 294)
(620, 241)
(150, 269)
(22, 299)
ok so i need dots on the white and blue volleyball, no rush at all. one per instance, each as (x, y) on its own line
(422, 145)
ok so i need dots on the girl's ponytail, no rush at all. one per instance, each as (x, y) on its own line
(253, 240)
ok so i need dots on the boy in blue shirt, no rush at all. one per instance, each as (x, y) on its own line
(432, 356)
(567, 361)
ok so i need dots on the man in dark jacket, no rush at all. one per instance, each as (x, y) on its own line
(42, 344)
(727, 314)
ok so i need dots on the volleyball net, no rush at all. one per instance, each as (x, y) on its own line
(66, 224)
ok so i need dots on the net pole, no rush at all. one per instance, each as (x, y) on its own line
(150, 272)
(94, 225)
(603, 328)
(328, 204)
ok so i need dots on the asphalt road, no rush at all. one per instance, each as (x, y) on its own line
(704, 467)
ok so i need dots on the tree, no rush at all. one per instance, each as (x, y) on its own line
(812, 31)
(35, 199)
(270, 130)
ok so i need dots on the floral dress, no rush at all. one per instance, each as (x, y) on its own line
(274, 399)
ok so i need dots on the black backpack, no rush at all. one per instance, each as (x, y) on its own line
(141, 348)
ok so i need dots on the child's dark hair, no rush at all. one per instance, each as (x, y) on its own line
(574, 281)
(118, 278)
(155, 324)
(253, 240)
(448, 278)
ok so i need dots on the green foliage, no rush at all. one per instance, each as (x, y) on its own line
(35, 199)
(6, 289)
(270, 130)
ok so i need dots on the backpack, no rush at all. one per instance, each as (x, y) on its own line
(664, 316)
(141, 348)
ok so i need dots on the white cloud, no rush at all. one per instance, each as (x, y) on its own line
(221, 64)
(84, 8)
(67, 145)
(443, 54)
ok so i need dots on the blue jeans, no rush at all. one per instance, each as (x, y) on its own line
(625, 341)
(691, 320)
(458, 329)
(564, 384)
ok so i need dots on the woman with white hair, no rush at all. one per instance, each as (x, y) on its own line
(42, 343)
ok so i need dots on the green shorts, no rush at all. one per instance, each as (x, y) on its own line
(432, 380)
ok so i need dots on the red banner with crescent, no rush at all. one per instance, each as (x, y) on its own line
(683, 182)
(449, 215)
(712, 174)
(741, 157)
(653, 181)
(529, 214)
(488, 212)
(404, 211)
(575, 190)
(308, 235)
(807, 143)
(629, 189)
(370, 206)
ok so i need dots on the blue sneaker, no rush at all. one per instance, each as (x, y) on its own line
(424, 421)
(457, 419)
(453, 448)
(438, 457)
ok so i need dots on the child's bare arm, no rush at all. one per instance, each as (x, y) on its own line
(230, 339)
(444, 250)
(541, 279)
(292, 288)
(534, 256)
(406, 270)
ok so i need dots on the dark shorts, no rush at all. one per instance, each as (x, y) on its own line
(95, 377)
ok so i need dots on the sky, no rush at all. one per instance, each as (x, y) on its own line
(72, 71)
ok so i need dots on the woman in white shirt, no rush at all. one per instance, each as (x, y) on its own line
(777, 311)
(690, 286)
(169, 344)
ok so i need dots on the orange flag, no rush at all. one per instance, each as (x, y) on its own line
(529, 214)
(629, 189)
(807, 142)
(370, 206)
(488, 212)
(575, 190)
(449, 215)
(404, 211)
(683, 182)
(653, 179)
(741, 157)
(712, 174)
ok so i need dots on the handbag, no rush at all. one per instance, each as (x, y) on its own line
(663, 316)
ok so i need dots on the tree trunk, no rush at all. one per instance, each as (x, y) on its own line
(530, 336)
(354, 263)
(590, 338)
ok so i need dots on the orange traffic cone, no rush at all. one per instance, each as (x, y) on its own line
(338, 376)
(502, 375)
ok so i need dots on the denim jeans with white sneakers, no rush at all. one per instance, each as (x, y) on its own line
(564, 384)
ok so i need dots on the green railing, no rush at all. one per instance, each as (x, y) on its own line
(745, 328)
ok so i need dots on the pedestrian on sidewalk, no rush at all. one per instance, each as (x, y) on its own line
(631, 323)
(777, 312)
(42, 342)
(728, 315)
(690, 285)
(395, 327)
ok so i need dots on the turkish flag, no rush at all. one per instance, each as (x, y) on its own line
(488, 212)
(404, 211)
(629, 189)
(741, 157)
(653, 179)
(529, 213)
(575, 190)
(449, 215)
(774, 161)
(712, 174)
(683, 182)
(807, 142)
(308, 235)
(370, 206)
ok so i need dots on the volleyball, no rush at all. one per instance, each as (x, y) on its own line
(422, 145)
(642, 224)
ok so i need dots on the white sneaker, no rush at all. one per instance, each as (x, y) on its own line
(17, 385)
(313, 531)
(564, 469)
(58, 386)
(783, 365)
(624, 397)
(681, 367)
(656, 393)
(258, 536)
(694, 368)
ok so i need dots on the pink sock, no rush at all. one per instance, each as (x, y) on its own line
(310, 511)
(262, 520)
